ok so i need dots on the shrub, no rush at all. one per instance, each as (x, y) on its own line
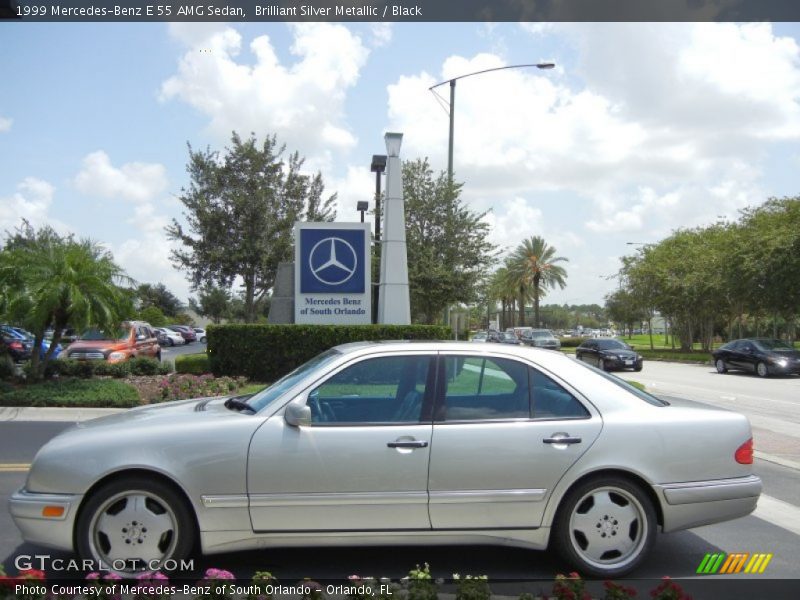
(184, 386)
(7, 369)
(117, 370)
(73, 368)
(73, 392)
(195, 364)
(267, 352)
(571, 342)
(143, 365)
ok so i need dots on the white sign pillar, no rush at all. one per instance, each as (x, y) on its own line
(394, 305)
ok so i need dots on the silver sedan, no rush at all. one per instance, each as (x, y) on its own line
(396, 443)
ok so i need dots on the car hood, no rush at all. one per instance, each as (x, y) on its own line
(166, 413)
(621, 352)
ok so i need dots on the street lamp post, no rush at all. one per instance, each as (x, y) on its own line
(452, 105)
(378, 166)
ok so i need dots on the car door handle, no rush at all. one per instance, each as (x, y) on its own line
(562, 440)
(408, 444)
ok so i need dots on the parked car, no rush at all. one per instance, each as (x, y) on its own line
(761, 356)
(200, 333)
(540, 338)
(132, 339)
(609, 354)
(444, 436)
(479, 337)
(508, 337)
(30, 339)
(168, 337)
(187, 332)
(17, 347)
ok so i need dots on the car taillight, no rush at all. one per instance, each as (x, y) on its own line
(16, 346)
(744, 453)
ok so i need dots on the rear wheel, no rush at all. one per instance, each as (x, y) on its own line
(762, 370)
(605, 527)
(721, 366)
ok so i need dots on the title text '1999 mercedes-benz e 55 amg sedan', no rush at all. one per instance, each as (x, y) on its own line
(396, 443)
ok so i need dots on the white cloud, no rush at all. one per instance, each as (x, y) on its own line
(657, 126)
(381, 34)
(137, 182)
(301, 102)
(31, 202)
(5, 124)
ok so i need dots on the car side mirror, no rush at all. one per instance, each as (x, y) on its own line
(297, 415)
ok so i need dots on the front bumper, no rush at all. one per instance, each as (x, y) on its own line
(614, 362)
(696, 503)
(26, 509)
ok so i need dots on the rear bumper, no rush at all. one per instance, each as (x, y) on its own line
(54, 532)
(696, 503)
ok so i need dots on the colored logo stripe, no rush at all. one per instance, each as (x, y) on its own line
(727, 564)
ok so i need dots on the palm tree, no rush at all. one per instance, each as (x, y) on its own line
(502, 288)
(54, 281)
(533, 267)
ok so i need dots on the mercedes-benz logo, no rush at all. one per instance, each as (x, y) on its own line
(332, 261)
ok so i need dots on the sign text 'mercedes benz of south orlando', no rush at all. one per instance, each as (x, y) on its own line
(332, 274)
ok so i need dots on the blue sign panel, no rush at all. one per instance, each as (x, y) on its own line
(332, 261)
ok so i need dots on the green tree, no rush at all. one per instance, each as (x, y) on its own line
(534, 268)
(212, 302)
(448, 250)
(240, 211)
(158, 296)
(54, 281)
(154, 316)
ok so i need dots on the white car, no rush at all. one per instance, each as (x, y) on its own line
(169, 337)
(201, 334)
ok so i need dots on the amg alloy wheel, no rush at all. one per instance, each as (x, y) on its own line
(762, 370)
(133, 525)
(721, 367)
(605, 527)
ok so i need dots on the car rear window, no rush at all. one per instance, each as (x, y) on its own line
(641, 394)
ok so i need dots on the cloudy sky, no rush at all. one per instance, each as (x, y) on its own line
(640, 128)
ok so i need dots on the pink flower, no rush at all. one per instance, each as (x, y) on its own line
(93, 576)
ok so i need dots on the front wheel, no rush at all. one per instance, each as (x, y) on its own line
(605, 527)
(721, 366)
(134, 525)
(762, 370)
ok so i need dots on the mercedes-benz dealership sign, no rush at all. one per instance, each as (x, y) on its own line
(332, 273)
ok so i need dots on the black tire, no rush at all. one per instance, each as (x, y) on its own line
(171, 341)
(203, 340)
(158, 356)
(582, 527)
(721, 367)
(638, 367)
(150, 503)
(762, 370)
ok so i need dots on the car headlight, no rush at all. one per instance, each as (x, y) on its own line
(116, 356)
(781, 362)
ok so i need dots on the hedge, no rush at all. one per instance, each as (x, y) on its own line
(194, 364)
(268, 352)
(73, 392)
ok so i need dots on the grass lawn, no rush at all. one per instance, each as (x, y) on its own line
(93, 393)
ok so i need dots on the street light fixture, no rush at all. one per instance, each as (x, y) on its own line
(362, 206)
(452, 105)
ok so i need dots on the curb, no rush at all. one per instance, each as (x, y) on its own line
(30, 413)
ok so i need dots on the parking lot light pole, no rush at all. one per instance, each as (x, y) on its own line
(452, 104)
(378, 166)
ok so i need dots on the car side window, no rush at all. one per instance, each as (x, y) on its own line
(389, 389)
(479, 388)
(552, 401)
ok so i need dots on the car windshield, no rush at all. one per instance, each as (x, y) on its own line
(113, 334)
(611, 345)
(772, 345)
(509, 336)
(267, 395)
(541, 334)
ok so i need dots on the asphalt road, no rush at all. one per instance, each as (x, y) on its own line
(774, 529)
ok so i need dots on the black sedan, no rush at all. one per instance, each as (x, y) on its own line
(608, 354)
(761, 356)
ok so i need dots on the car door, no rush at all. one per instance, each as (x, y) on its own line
(504, 434)
(362, 463)
(587, 352)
